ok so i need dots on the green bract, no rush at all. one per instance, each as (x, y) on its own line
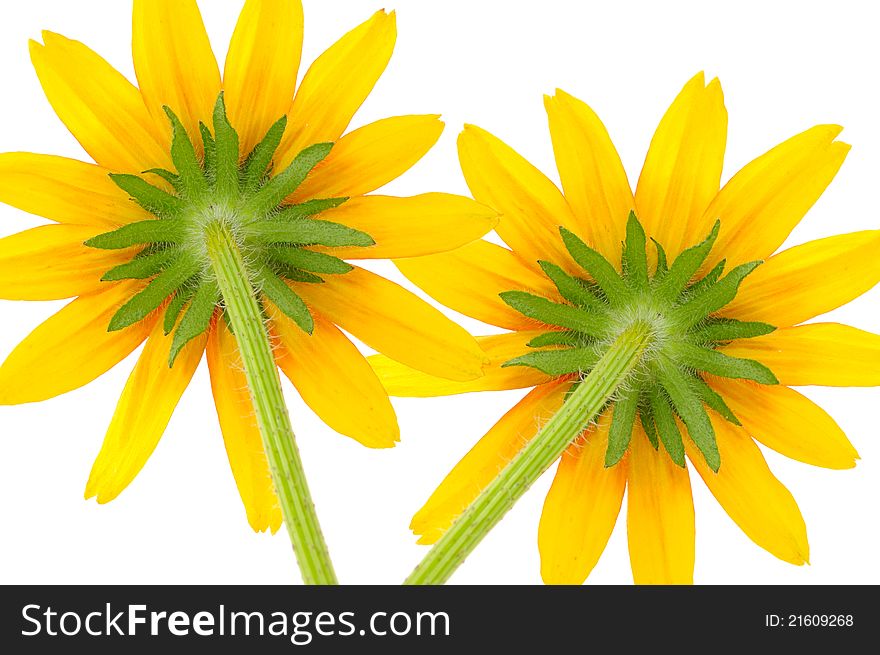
(681, 312)
(243, 198)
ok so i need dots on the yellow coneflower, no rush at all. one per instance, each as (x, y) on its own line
(218, 215)
(652, 332)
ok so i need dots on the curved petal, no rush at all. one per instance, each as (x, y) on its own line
(71, 348)
(259, 77)
(581, 509)
(142, 414)
(531, 206)
(757, 502)
(337, 83)
(813, 278)
(763, 202)
(591, 172)
(825, 354)
(789, 423)
(174, 63)
(50, 263)
(682, 170)
(470, 278)
(335, 380)
(102, 109)
(411, 227)
(65, 190)
(403, 381)
(485, 460)
(387, 317)
(659, 516)
(370, 157)
(244, 445)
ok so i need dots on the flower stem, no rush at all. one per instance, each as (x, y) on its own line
(273, 420)
(546, 447)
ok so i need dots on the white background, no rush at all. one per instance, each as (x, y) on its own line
(785, 66)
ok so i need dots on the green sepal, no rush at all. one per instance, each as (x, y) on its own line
(286, 182)
(602, 272)
(209, 147)
(135, 234)
(713, 399)
(646, 418)
(307, 232)
(557, 362)
(260, 157)
(196, 319)
(667, 428)
(309, 260)
(635, 256)
(307, 209)
(166, 175)
(175, 306)
(704, 282)
(153, 199)
(553, 313)
(141, 267)
(622, 421)
(226, 144)
(570, 288)
(286, 300)
(154, 294)
(183, 154)
(719, 330)
(556, 339)
(717, 363)
(713, 297)
(294, 274)
(662, 262)
(686, 266)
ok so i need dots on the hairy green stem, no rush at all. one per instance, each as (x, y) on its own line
(271, 412)
(546, 447)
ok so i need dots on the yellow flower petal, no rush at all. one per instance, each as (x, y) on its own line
(102, 109)
(592, 174)
(757, 502)
(813, 278)
(763, 202)
(337, 83)
(259, 78)
(485, 460)
(470, 278)
(174, 63)
(71, 348)
(581, 509)
(403, 381)
(532, 208)
(65, 190)
(826, 354)
(387, 317)
(410, 227)
(142, 414)
(335, 380)
(682, 171)
(244, 445)
(370, 157)
(659, 516)
(788, 422)
(50, 263)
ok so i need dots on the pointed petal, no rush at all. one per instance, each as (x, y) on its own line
(244, 445)
(370, 157)
(682, 171)
(337, 83)
(470, 278)
(102, 109)
(387, 317)
(50, 263)
(814, 278)
(486, 459)
(659, 516)
(65, 190)
(259, 77)
(335, 380)
(592, 174)
(581, 509)
(763, 202)
(759, 504)
(403, 381)
(532, 208)
(825, 354)
(142, 414)
(411, 227)
(174, 63)
(788, 422)
(71, 348)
